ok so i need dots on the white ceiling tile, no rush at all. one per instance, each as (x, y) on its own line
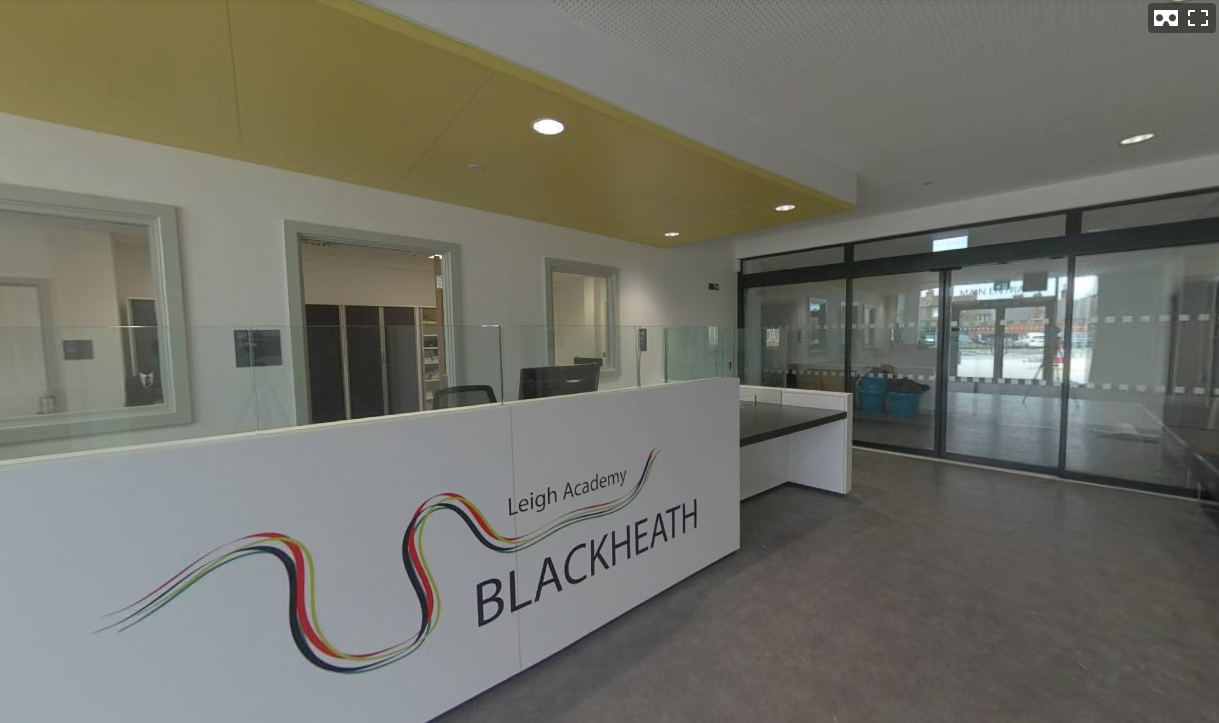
(977, 96)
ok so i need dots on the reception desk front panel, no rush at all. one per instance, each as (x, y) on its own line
(388, 568)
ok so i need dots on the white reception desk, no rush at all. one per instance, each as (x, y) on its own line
(299, 574)
(780, 444)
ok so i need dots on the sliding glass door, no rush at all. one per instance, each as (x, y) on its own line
(894, 358)
(1004, 386)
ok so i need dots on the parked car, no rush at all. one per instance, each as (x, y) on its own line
(1036, 339)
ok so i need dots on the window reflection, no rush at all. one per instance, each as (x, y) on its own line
(79, 317)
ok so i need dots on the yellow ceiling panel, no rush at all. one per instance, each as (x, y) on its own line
(327, 93)
(149, 69)
(600, 174)
(338, 89)
(752, 217)
(520, 167)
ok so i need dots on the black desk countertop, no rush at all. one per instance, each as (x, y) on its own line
(763, 422)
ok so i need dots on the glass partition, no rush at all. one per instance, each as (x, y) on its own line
(697, 352)
(89, 381)
(1144, 364)
(526, 354)
(365, 365)
(802, 336)
(894, 358)
(764, 355)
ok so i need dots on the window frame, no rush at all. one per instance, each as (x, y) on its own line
(296, 233)
(611, 367)
(160, 221)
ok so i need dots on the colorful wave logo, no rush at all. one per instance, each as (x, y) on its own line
(302, 599)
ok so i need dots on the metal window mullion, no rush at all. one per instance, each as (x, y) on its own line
(848, 339)
(384, 361)
(1000, 341)
(942, 361)
(346, 366)
(1065, 391)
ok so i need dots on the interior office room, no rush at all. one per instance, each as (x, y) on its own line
(830, 360)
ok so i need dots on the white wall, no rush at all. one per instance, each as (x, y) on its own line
(1168, 178)
(232, 215)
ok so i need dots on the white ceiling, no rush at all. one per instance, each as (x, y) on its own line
(974, 96)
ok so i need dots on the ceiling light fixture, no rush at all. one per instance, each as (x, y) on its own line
(548, 126)
(435, 256)
(671, 234)
(1140, 138)
(786, 207)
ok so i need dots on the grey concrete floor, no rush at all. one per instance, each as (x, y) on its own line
(934, 593)
(1017, 429)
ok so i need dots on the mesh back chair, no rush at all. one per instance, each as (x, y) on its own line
(464, 396)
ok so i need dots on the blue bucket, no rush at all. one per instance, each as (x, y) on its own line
(873, 384)
(872, 401)
(904, 404)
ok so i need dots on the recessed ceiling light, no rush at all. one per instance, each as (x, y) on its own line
(671, 234)
(548, 126)
(786, 207)
(1140, 138)
(476, 167)
(435, 256)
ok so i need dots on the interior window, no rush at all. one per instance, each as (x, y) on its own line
(582, 308)
(83, 320)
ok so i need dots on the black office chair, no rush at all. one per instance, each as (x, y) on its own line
(589, 360)
(463, 396)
